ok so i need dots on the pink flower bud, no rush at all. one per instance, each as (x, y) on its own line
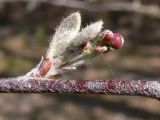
(108, 36)
(117, 41)
(101, 49)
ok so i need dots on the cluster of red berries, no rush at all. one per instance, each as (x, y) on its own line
(115, 40)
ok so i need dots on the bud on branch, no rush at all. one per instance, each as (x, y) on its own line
(69, 48)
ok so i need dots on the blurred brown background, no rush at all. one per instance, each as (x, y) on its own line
(26, 26)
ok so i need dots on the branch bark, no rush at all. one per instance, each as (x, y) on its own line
(107, 87)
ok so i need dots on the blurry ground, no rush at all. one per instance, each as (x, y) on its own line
(24, 36)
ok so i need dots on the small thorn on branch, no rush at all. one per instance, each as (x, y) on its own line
(107, 87)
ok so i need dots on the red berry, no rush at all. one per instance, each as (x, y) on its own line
(117, 41)
(108, 36)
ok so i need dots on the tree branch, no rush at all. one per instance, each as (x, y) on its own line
(151, 10)
(107, 87)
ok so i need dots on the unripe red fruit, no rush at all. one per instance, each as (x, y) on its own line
(117, 41)
(108, 36)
